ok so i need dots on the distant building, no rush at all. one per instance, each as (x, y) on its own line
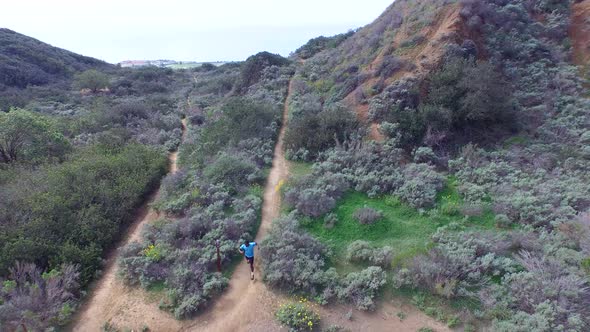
(166, 63)
(144, 63)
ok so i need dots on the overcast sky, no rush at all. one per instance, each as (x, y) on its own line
(116, 30)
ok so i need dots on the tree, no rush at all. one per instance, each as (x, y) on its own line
(28, 136)
(93, 80)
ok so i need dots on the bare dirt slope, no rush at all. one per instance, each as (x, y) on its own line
(447, 28)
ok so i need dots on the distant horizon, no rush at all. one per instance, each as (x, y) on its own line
(116, 31)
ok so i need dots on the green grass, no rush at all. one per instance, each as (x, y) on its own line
(402, 227)
(408, 231)
(298, 169)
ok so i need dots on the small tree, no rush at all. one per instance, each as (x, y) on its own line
(28, 136)
(93, 80)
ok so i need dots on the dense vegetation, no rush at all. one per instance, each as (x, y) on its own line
(82, 145)
(439, 153)
(508, 222)
(27, 61)
(321, 43)
(217, 195)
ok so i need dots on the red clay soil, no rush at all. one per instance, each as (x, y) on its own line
(579, 32)
(448, 27)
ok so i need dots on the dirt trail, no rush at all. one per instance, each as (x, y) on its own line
(113, 302)
(249, 305)
(246, 305)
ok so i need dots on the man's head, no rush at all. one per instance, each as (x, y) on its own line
(246, 243)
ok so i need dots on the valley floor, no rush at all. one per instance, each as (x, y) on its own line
(245, 305)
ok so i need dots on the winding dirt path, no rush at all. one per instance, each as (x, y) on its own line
(246, 305)
(117, 304)
(249, 305)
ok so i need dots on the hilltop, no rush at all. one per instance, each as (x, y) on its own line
(28, 61)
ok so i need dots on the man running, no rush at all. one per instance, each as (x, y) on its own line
(248, 250)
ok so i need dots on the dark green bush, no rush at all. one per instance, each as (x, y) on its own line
(77, 208)
(251, 71)
(315, 133)
(234, 172)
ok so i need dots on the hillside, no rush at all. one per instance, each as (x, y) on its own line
(389, 63)
(28, 61)
(444, 145)
(434, 162)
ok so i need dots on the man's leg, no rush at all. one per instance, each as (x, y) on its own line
(251, 261)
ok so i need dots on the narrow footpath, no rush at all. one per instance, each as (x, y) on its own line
(111, 301)
(245, 305)
(248, 305)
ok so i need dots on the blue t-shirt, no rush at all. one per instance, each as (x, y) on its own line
(249, 250)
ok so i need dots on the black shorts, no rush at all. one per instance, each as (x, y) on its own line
(250, 260)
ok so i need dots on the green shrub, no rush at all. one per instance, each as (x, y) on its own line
(92, 80)
(317, 132)
(502, 221)
(367, 215)
(330, 220)
(252, 68)
(29, 137)
(298, 317)
(426, 329)
(232, 171)
(362, 287)
(362, 251)
(586, 265)
(78, 208)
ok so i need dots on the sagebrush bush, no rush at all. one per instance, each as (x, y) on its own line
(292, 259)
(361, 287)
(502, 221)
(38, 300)
(362, 251)
(367, 215)
(422, 183)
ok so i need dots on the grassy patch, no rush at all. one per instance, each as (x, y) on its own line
(256, 190)
(403, 228)
(298, 169)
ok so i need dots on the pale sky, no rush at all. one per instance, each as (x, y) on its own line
(116, 30)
